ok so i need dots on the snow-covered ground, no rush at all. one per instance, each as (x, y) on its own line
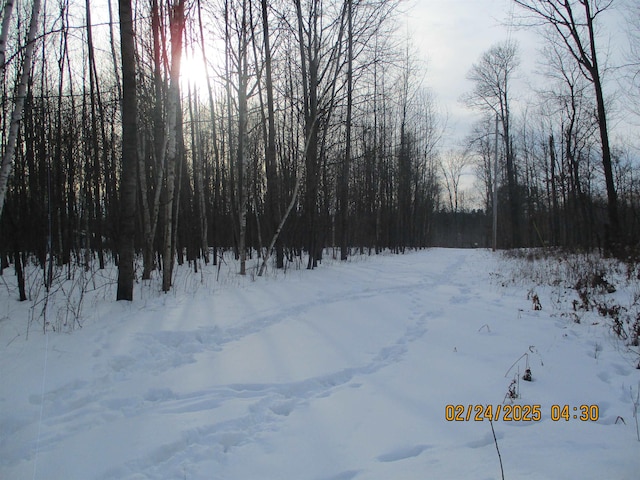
(340, 373)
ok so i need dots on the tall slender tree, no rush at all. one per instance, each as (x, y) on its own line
(16, 117)
(343, 182)
(171, 140)
(273, 196)
(573, 24)
(492, 76)
(129, 153)
(7, 12)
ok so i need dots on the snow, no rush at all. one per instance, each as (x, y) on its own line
(339, 373)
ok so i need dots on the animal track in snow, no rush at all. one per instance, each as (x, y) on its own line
(348, 475)
(402, 453)
(487, 439)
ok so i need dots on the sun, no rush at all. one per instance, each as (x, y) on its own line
(193, 74)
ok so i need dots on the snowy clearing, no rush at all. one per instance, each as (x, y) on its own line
(341, 373)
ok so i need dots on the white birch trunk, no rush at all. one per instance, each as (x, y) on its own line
(16, 117)
(177, 29)
(4, 33)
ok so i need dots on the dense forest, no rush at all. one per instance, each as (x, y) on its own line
(161, 132)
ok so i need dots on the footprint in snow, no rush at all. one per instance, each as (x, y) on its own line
(283, 408)
(485, 440)
(604, 376)
(348, 475)
(622, 370)
(402, 453)
(459, 299)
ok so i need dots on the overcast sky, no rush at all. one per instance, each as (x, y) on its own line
(452, 34)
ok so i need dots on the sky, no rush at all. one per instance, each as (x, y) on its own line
(452, 35)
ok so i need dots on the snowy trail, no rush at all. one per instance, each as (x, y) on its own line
(340, 373)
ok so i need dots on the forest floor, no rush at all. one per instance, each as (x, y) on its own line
(340, 373)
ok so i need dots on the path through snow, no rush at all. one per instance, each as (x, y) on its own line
(336, 374)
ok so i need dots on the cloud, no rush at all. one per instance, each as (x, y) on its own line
(452, 35)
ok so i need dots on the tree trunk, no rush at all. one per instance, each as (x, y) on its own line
(273, 197)
(555, 212)
(113, 46)
(177, 28)
(150, 213)
(4, 34)
(308, 54)
(19, 266)
(16, 116)
(129, 154)
(344, 177)
(570, 29)
(96, 112)
(613, 237)
(294, 198)
(242, 146)
(198, 172)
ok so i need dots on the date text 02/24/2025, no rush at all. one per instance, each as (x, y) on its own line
(519, 413)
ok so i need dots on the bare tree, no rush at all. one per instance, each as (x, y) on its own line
(492, 77)
(16, 117)
(151, 206)
(273, 197)
(633, 56)
(480, 146)
(320, 43)
(171, 139)
(285, 216)
(4, 34)
(573, 23)
(567, 98)
(323, 74)
(452, 165)
(129, 153)
(343, 184)
(239, 28)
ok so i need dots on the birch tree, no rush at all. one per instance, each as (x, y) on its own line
(171, 139)
(4, 34)
(16, 117)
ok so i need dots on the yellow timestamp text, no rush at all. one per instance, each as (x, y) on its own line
(519, 413)
(584, 413)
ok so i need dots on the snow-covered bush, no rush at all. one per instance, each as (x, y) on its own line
(579, 284)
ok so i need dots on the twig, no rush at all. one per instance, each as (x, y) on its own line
(525, 354)
(495, 440)
(636, 403)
